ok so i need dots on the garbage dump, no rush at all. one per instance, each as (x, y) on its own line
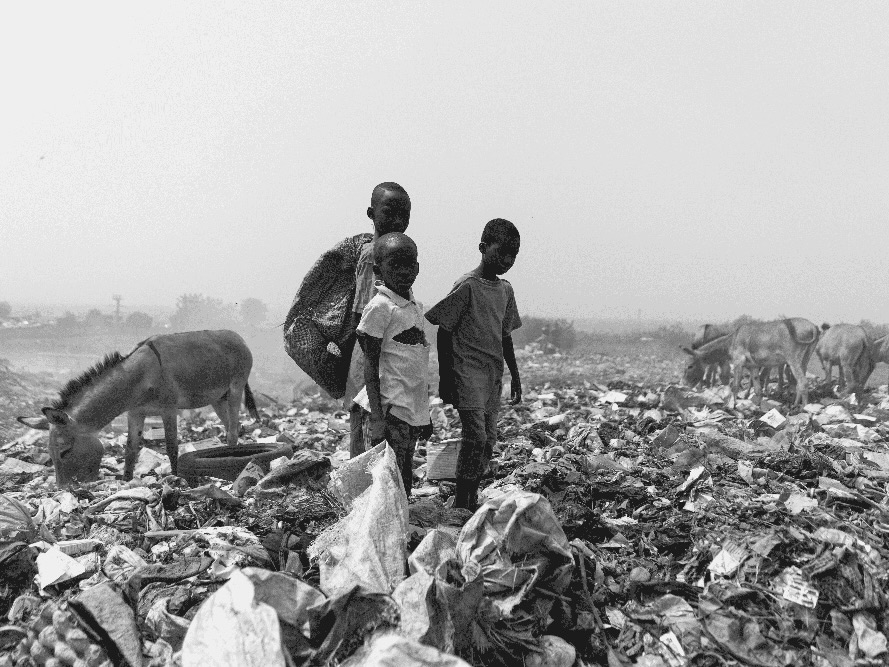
(627, 521)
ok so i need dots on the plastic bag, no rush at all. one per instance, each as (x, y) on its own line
(512, 546)
(233, 629)
(369, 546)
(16, 526)
(392, 650)
(421, 611)
(517, 542)
(340, 625)
(353, 477)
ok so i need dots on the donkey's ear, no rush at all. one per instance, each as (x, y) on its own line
(57, 417)
(40, 423)
(688, 351)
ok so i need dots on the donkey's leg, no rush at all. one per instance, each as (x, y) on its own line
(765, 375)
(135, 423)
(802, 390)
(725, 373)
(736, 380)
(756, 390)
(221, 408)
(171, 437)
(235, 396)
(842, 376)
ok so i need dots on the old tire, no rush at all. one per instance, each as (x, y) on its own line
(228, 462)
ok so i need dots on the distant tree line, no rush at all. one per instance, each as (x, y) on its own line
(193, 311)
(196, 311)
(97, 321)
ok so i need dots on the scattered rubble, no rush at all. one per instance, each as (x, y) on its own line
(625, 522)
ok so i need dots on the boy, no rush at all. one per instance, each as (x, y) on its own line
(396, 354)
(390, 211)
(319, 330)
(476, 321)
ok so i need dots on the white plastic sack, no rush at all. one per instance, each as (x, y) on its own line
(368, 546)
(54, 567)
(231, 629)
(149, 461)
(120, 563)
(353, 477)
(412, 596)
(416, 594)
(437, 547)
(392, 650)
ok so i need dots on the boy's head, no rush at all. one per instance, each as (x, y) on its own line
(395, 261)
(390, 209)
(500, 245)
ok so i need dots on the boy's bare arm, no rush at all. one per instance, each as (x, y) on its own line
(354, 319)
(372, 348)
(515, 389)
(446, 388)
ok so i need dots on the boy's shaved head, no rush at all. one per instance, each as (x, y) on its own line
(382, 188)
(500, 230)
(390, 243)
(395, 261)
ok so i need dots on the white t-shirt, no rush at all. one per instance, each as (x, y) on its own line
(404, 356)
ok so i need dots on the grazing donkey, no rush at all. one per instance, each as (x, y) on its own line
(772, 344)
(161, 375)
(717, 363)
(712, 354)
(847, 346)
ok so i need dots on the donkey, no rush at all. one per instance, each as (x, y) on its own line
(161, 375)
(709, 355)
(847, 346)
(772, 344)
(716, 364)
(784, 374)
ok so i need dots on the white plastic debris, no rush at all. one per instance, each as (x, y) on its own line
(773, 418)
(54, 567)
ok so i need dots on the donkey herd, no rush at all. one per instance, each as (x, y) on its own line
(167, 373)
(719, 354)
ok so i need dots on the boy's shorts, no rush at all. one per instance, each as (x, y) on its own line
(477, 446)
(402, 438)
(479, 436)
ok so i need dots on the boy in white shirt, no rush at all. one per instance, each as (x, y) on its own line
(390, 211)
(396, 353)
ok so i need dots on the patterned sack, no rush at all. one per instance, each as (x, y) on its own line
(319, 316)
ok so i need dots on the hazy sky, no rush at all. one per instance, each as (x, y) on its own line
(690, 159)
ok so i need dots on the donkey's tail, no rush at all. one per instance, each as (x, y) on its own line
(250, 403)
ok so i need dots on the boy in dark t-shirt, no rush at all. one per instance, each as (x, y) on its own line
(476, 321)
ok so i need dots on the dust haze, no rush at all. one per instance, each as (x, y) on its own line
(666, 163)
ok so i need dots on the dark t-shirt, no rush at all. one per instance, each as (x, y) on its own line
(478, 313)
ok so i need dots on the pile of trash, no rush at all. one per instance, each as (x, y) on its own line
(623, 523)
